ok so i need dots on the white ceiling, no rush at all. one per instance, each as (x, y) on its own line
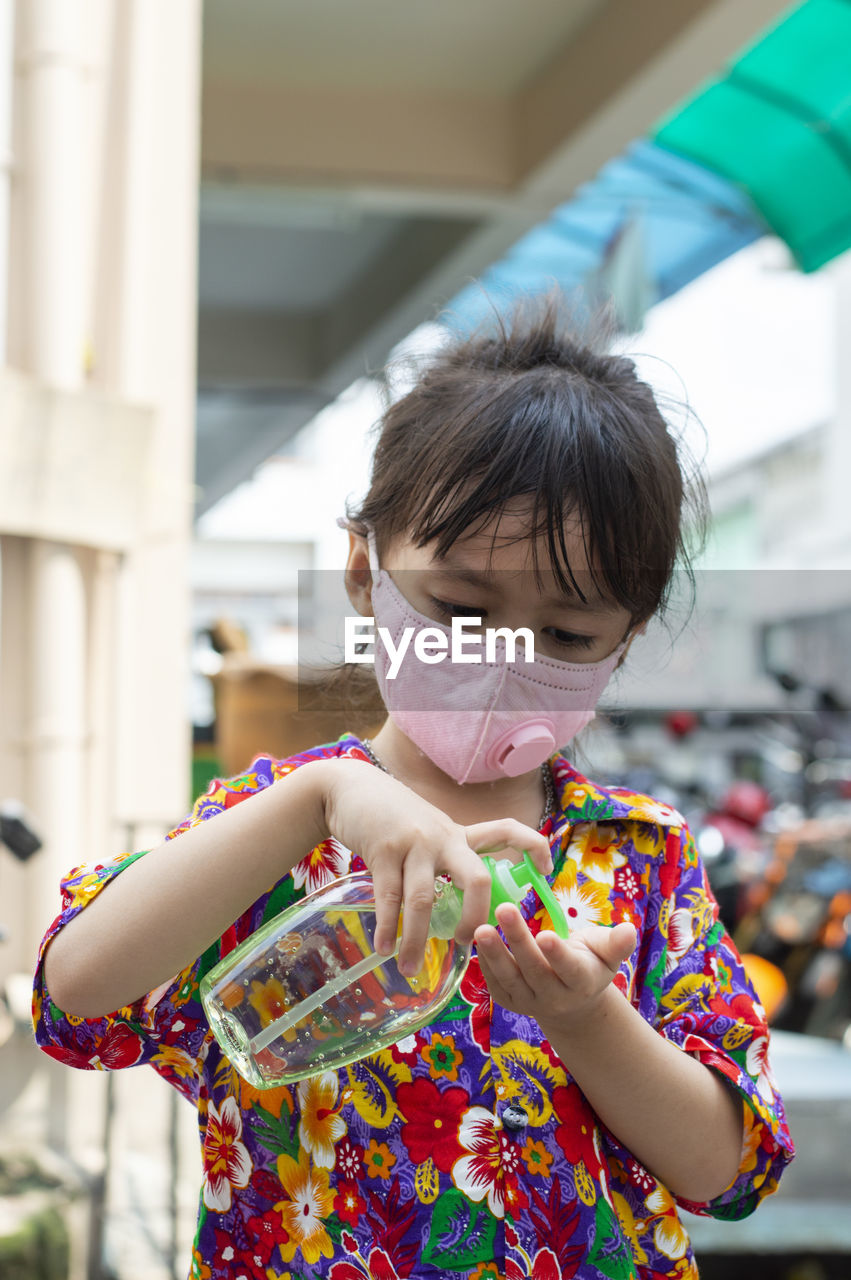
(479, 47)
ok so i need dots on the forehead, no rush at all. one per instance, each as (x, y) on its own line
(500, 554)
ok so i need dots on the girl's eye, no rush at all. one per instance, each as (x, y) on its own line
(570, 638)
(446, 610)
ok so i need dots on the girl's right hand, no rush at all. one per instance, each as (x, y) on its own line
(406, 842)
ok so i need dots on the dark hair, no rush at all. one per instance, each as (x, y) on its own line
(530, 410)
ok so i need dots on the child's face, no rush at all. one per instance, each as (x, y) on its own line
(498, 583)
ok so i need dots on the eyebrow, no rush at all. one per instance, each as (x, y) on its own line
(488, 577)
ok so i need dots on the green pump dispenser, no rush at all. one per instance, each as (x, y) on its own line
(308, 992)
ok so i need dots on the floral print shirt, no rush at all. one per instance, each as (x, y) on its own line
(465, 1150)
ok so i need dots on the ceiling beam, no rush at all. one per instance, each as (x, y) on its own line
(603, 90)
(331, 136)
(241, 347)
(412, 257)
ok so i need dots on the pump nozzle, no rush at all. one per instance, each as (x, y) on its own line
(510, 882)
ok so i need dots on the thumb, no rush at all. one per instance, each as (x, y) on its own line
(621, 944)
(610, 945)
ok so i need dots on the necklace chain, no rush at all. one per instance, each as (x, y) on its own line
(546, 776)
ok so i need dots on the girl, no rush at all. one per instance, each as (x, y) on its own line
(551, 1119)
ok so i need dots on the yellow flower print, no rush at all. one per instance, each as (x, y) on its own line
(321, 1124)
(310, 1201)
(669, 1234)
(595, 847)
(379, 1160)
(83, 890)
(269, 999)
(630, 1228)
(536, 1157)
(577, 794)
(175, 1060)
(442, 1057)
(584, 903)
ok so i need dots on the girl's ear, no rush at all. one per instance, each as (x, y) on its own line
(358, 578)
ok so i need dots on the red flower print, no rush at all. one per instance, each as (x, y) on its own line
(349, 1162)
(626, 882)
(120, 1047)
(378, 1267)
(639, 1177)
(247, 1264)
(346, 1271)
(69, 1057)
(236, 797)
(490, 1166)
(406, 1051)
(575, 1134)
(432, 1117)
(267, 1232)
(474, 990)
(348, 1203)
(739, 1007)
(545, 1266)
(327, 862)
(227, 1163)
(669, 873)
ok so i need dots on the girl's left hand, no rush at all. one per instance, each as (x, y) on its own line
(557, 982)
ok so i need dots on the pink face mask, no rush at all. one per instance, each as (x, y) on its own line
(480, 721)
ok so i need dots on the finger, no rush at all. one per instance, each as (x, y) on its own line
(574, 964)
(505, 981)
(387, 881)
(531, 963)
(612, 946)
(418, 897)
(508, 833)
(471, 876)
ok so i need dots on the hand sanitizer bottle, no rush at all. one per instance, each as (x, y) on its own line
(308, 992)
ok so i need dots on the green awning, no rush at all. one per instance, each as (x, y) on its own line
(777, 123)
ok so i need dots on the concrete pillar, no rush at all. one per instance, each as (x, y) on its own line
(14, 877)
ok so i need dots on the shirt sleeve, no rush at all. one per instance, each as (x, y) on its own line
(166, 1027)
(703, 1001)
